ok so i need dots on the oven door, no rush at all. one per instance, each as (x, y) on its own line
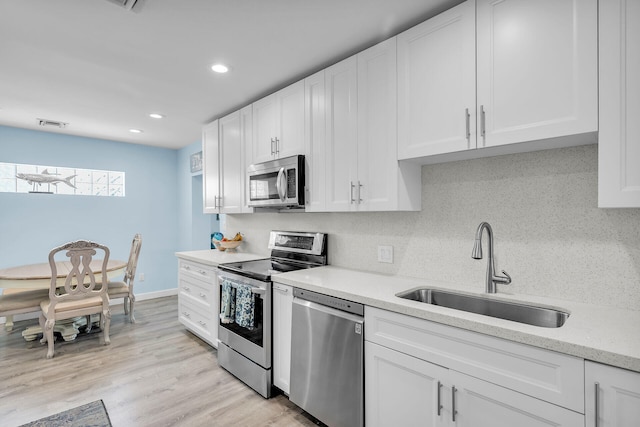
(246, 333)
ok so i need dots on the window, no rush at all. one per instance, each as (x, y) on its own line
(20, 178)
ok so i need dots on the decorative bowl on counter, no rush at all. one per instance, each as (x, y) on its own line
(223, 245)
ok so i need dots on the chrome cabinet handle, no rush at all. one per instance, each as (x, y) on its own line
(272, 150)
(203, 295)
(359, 192)
(351, 199)
(467, 119)
(277, 146)
(283, 290)
(482, 124)
(279, 186)
(186, 314)
(453, 404)
(439, 403)
(186, 267)
(597, 411)
(202, 323)
(186, 288)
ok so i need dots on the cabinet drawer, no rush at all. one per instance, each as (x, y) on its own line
(203, 324)
(199, 271)
(197, 291)
(544, 374)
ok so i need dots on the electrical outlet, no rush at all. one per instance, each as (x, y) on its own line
(385, 254)
(141, 276)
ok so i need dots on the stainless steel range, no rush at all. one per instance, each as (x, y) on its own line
(244, 331)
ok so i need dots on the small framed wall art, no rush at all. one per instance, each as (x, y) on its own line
(196, 162)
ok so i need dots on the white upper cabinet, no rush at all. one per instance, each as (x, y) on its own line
(210, 167)
(383, 183)
(246, 144)
(314, 125)
(341, 143)
(619, 136)
(224, 171)
(362, 170)
(537, 69)
(437, 84)
(278, 124)
(497, 72)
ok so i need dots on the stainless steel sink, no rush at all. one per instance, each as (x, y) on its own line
(529, 314)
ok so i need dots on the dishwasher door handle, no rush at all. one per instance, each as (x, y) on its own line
(328, 310)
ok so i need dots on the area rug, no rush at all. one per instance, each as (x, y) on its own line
(92, 414)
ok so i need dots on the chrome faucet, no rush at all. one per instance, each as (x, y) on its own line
(492, 279)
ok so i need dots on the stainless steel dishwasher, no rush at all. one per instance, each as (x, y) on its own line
(327, 344)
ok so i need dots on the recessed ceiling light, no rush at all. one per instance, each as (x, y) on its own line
(156, 116)
(219, 68)
(135, 131)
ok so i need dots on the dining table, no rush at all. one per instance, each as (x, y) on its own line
(38, 276)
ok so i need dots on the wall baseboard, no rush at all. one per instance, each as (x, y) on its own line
(114, 302)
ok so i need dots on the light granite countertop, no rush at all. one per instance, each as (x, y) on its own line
(214, 257)
(602, 334)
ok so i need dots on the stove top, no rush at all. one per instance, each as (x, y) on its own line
(262, 269)
(290, 251)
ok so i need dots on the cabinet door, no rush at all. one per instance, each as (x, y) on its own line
(377, 127)
(401, 390)
(537, 69)
(616, 403)
(282, 311)
(619, 136)
(231, 174)
(210, 164)
(314, 124)
(478, 403)
(436, 84)
(341, 135)
(246, 141)
(264, 128)
(290, 135)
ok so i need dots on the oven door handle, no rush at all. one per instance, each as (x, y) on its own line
(281, 188)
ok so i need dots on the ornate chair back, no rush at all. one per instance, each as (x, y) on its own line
(124, 289)
(76, 292)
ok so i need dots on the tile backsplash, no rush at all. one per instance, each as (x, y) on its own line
(549, 234)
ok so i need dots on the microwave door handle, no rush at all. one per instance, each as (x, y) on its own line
(281, 188)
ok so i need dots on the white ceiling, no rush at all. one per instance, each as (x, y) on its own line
(103, 69)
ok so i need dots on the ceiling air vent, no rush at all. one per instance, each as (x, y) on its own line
(45, 123)
(132, 5)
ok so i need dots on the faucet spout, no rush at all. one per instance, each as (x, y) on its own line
(492, 278)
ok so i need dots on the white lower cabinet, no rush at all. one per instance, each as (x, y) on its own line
(282, 312)
(478, 381)
(198, 300)
(612, 396)
(478, 403)
(401, 390)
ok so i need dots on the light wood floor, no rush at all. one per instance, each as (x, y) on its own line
(154, 373)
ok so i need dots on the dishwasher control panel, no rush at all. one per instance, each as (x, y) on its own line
(330, 301)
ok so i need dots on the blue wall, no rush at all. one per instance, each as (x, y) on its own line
(32, 224)
(195, 227)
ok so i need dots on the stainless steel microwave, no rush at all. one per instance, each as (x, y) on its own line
(277, 183)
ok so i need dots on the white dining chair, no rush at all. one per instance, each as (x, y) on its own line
(80, 295)
(20, 301)
(124, 288)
